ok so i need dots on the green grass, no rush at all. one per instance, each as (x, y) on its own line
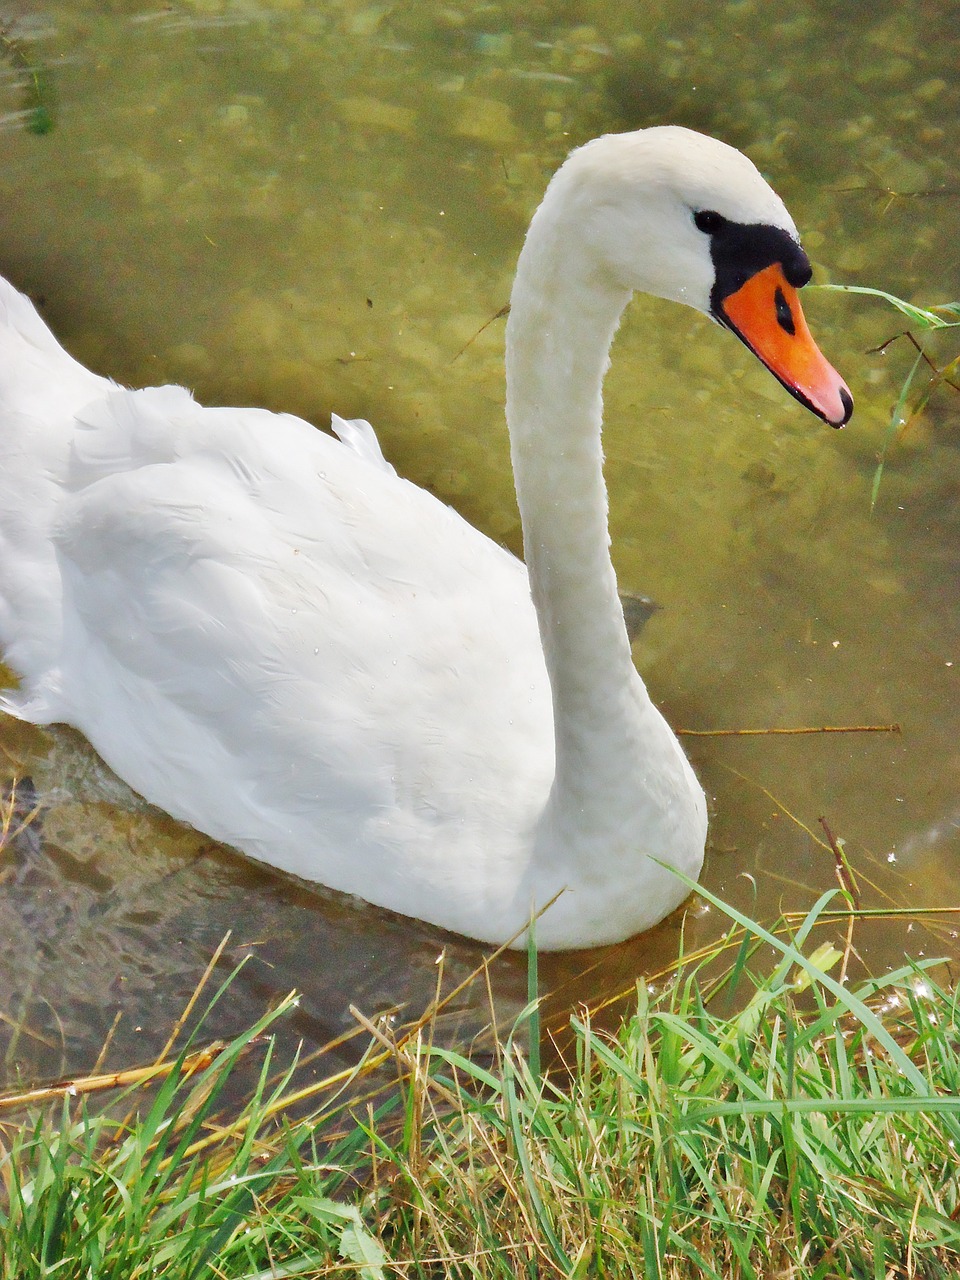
(910, 402)
(812, 1131)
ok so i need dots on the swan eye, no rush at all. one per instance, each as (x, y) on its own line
(708, 221)
(784, 314)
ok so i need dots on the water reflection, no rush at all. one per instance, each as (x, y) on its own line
(314, 209)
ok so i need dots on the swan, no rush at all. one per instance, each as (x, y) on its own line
(270, 635)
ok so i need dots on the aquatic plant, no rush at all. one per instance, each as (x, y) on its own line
(906, 409)
(39, 103)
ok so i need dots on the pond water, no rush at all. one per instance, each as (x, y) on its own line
(316, 207)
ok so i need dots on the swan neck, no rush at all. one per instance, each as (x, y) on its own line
(562, 322)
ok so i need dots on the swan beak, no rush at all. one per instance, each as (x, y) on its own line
(766, 315)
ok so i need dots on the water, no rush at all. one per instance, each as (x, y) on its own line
(315, 208)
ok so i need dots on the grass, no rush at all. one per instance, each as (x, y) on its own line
(814, 1129)
(910, 403)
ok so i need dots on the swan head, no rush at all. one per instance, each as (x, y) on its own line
(682, 216)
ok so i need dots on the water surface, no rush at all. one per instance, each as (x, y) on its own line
(315, 208)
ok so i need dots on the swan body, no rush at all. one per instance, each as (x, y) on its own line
(270, 635)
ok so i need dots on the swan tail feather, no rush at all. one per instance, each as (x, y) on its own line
(357, 434)
(39, 704)
(19, 313)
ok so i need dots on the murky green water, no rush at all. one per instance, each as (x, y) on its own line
(314, 207)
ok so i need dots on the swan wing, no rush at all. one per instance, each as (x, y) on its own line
(255, 611)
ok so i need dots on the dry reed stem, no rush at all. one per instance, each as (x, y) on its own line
(78, 1085)
(763, 733)
(188, 1008)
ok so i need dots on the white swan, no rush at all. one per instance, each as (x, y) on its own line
(272, 637)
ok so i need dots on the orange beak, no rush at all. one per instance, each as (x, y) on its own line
(765, 314)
